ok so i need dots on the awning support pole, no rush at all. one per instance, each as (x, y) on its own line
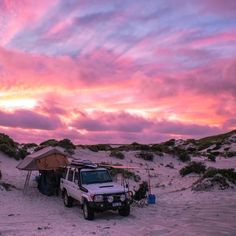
(26, 185)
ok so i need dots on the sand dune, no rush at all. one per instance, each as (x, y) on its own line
(176, 212)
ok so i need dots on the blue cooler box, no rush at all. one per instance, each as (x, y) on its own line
(151, 199)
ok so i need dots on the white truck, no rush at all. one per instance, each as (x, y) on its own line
(93, 187)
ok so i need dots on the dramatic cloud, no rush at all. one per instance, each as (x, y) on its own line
(123, 70)
(29, 120)
(123, 122)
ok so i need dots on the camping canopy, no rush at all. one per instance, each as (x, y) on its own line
(48, 158)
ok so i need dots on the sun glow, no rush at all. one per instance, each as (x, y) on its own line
(13, 104)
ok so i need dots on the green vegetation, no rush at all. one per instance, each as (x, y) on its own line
(211, 157)
(182, 154)
(220, 178)
(64, 143)
(147, 156)
(117, 154)
(230, 154)
(216, 139)
(8, 150)
(170, 142)
(217, 147)
(49, 142)
(67, 144)
(22, 153)
(133, 147)
(161, 148)
(98, 147)
(229, 174)
(193, 167)
(8, 146)
(29, 145)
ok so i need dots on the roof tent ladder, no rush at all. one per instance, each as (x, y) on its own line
(26, 185)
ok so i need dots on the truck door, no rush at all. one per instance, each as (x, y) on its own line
(70, 182)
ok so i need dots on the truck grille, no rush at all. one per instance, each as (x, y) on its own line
(115, 196)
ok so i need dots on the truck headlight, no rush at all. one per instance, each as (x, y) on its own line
(110, 199)
(98, 198)
(122, 197)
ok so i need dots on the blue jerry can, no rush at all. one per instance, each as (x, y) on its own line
(151, 199)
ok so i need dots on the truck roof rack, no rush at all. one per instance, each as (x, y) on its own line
(83, 164)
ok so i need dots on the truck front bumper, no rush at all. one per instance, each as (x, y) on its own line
(103, 206)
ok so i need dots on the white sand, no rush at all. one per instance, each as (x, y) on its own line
(176, 212)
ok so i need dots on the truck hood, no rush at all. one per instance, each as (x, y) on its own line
(105, 188)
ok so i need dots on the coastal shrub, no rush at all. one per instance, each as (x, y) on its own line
(117, 154)
(219, 178)
(134, 147)
(182, 154)
(8, 146)
(217, 147)
(231, 154)
(160, 149)
(147, 156)
(193, 167)
(157, 148)
(211, 157)
(8, 150)
(216, 153)
(203, 145)
(30, 145)
(50, 142)
(99, 147)
(191, 149)
(64, 143)
(5, 139)
(229, 174)
(22, 153)
(39, 148)
(170, 142)
(137, 146)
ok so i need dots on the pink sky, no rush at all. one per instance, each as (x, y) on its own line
(117, 71)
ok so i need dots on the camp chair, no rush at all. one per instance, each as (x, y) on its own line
(140, 196)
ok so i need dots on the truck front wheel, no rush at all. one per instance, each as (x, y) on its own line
(125, 211)
(88, 211)
(68, 201)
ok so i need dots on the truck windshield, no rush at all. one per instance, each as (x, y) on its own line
(97, 176)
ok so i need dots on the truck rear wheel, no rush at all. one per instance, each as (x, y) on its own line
(125, 211)
(88, 211)
(68, 201)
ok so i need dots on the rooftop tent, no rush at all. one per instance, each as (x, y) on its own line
(48, 158)
(47, 161)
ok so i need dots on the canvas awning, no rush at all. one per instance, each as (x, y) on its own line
(48, 158)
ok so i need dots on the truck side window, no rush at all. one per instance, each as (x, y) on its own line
(70, 175)
(64, 174)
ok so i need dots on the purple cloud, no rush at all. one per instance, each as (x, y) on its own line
(178, 128)
(26, 119)
(121, 122)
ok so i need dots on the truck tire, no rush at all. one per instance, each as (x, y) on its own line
(68, 201)
(88, 211)
(125, 211)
